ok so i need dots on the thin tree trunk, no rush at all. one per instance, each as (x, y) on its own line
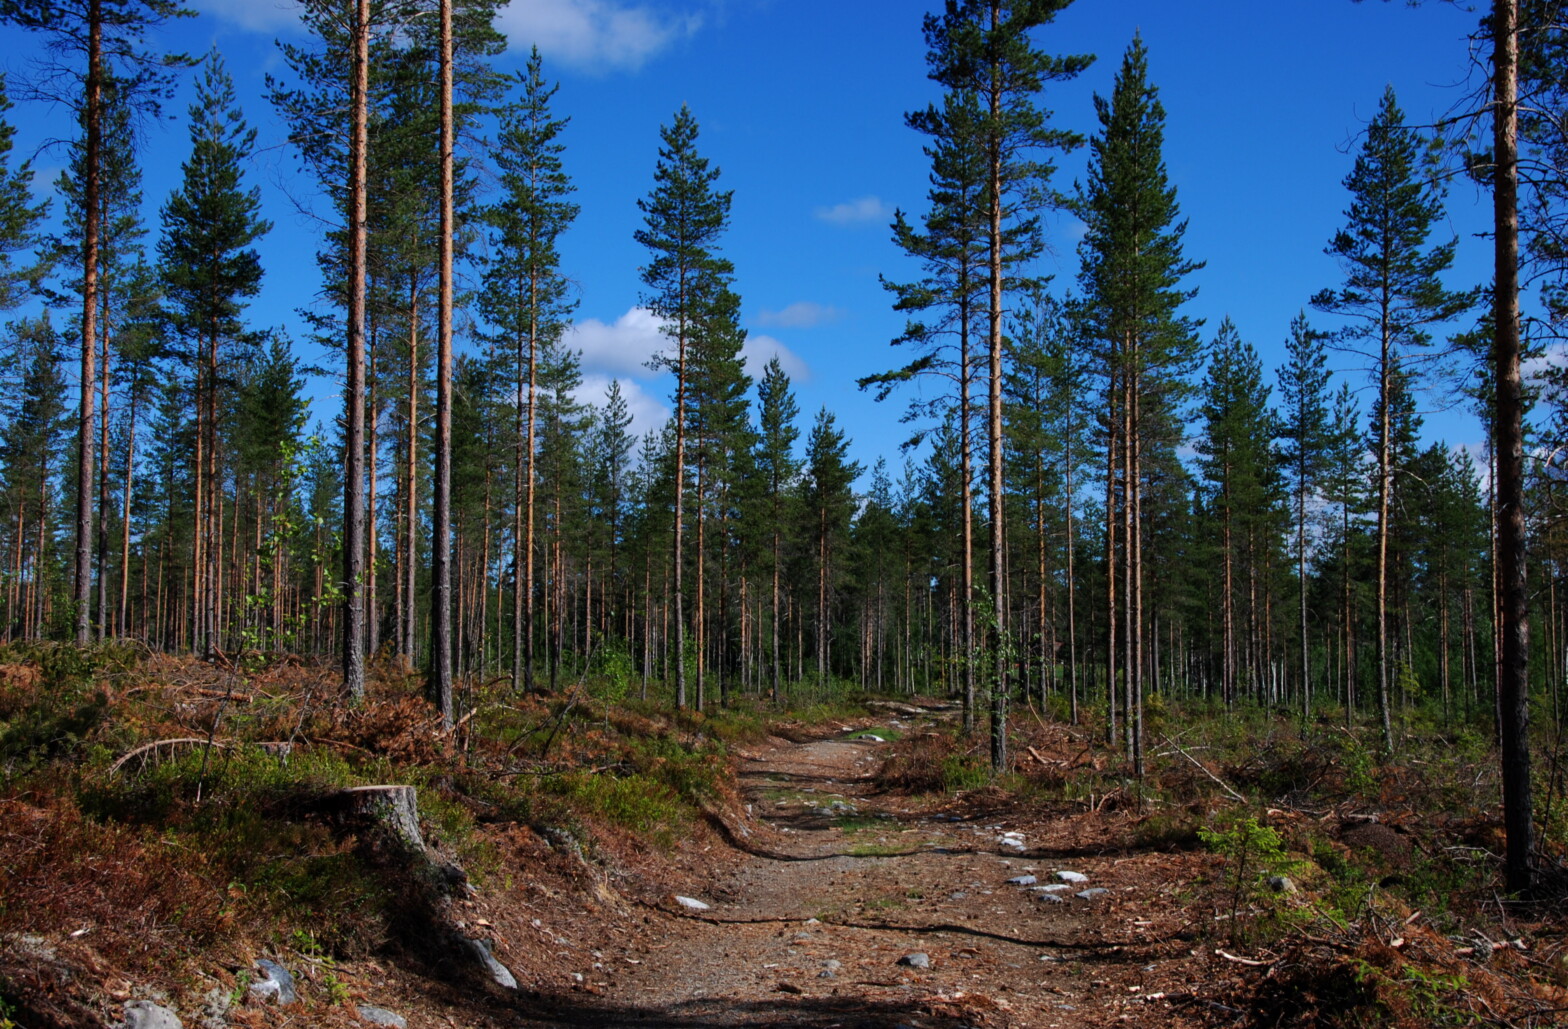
(90, 230)
(354, 396)
(440, 679)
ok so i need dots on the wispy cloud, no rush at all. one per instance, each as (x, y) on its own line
(760, 349)
(864, 209)
(803, 314)
(255, 15)
(620, 349)
(647, 411)
(594, 35)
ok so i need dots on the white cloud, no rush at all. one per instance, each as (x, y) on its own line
(648, 412)
(595, 35)
(802, 314)
(759, 349)
(621, 349)
(255, 15)
(865, 209)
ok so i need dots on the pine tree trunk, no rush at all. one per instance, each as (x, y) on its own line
(440, 678)
(998, 572)
(354, 394)
(1514, 627)
(411, 486)
(85, 420)
(105, 630)
(1385, 474)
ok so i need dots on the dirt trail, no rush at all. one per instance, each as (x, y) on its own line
(840, 883)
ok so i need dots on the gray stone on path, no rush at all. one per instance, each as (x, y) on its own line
(381, 1016)
(1053, 888)
(500, 973)
(274, 984)
(1071, 877)
(691, 903)
(916, 960)
(1090, 894)
(1050, 898)
(144, 1014)
(1023, 880)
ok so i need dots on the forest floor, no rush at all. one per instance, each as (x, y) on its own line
(167, 824)
(838, 881)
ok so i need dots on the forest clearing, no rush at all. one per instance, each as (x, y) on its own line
(403, 644)
(169, 824)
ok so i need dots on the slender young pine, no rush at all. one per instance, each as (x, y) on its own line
(526, 296)
(683, 218)
(1392, 291)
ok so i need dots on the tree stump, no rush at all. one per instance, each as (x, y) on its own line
(392, 808)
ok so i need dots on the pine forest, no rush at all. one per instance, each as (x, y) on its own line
(1125, 583)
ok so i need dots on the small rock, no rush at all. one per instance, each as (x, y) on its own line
(144, 1014)
(1090, 894)
(1281, 884)
(381, 1016)
(691, 903)
(500, 973)
(802, 937)
(1023, 880)
(916, 960)
(1053, 888)
(957, 895)
(831, 965)
(275, 985)
(873, 738)
(1072, 877)
(1051, 898)
(826, 973)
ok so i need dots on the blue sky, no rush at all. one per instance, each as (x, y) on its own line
(801, 104)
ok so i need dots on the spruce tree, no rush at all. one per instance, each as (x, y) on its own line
(526, 298)
(828, 489)
(1392, 292)
(210, 268)
(1303, 388)
(683, 219)
(776, 467)
(1234, 449)
(1132, 267)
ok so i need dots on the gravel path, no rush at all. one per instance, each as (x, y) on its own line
(855, 910)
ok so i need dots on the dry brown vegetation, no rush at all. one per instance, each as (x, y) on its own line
(163, 823)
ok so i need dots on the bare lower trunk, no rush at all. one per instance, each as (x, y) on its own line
(354, 395)
(440, 678)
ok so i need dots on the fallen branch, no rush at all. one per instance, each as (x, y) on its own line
(1249, 962)
(126, 758)
(1199, 765)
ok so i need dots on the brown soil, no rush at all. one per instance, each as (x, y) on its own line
(835, 883)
